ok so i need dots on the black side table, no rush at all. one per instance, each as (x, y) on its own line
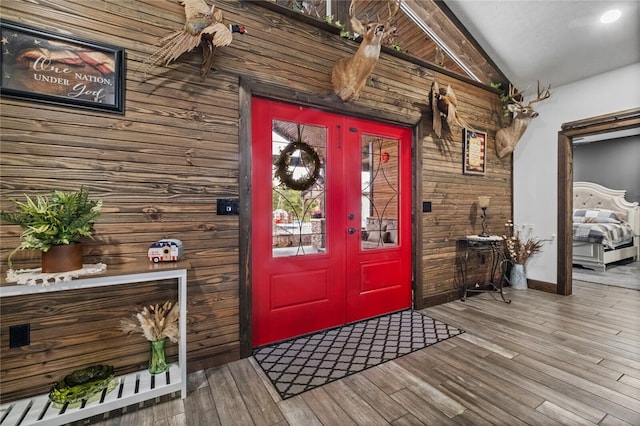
(493, 246)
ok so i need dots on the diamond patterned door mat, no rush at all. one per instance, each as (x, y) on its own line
(301, 364)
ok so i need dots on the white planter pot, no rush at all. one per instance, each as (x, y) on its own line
(518, 277)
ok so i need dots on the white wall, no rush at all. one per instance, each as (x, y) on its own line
(535, 159)
(612, 163)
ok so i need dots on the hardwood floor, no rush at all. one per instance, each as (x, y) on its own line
(542, 360)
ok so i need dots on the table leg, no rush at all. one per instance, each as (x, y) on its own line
(499, 263)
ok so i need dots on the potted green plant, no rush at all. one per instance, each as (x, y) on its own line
(55, 225)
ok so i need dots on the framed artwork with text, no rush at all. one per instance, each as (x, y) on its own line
(45, 67)
(474, 155)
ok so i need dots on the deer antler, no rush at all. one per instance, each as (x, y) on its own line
(515, 96)
(396, 8)
(352, 9)
(542, 94)
(518, 97)
(392, 12)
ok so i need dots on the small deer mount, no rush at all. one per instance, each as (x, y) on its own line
(507, 138)
(349, 75)
(444, 104)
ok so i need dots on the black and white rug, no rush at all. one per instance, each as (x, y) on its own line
(298, 365)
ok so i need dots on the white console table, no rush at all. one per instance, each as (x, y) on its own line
(132, 388)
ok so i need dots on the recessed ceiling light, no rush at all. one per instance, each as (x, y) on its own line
(610, 16)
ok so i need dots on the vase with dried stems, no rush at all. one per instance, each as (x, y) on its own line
(520, 246)
(156, 323)
(158, 357)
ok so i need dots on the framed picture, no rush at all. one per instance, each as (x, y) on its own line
(41, 66)
(475, 147)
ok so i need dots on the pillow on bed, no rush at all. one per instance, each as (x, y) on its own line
(598, 216)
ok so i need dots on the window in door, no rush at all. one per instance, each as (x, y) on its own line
(298, 189)
(379, 183)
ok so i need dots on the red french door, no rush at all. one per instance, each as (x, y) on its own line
(331, 220)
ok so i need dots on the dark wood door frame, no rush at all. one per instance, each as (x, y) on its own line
(591, 126)
(250, 87)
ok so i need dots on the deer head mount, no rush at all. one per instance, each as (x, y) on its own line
(508, 137)
(349, 74)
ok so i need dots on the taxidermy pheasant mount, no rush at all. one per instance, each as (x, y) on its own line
(444, 104)
(203, 28)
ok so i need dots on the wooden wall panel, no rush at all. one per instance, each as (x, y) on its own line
(74, 329)
(160, 167)
(455, 211)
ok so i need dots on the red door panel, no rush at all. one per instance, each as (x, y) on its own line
(384, 172)
(296, 293)
(375, 276)
(311, 268)
(292, 290)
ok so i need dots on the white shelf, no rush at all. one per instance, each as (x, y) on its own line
(132, 388)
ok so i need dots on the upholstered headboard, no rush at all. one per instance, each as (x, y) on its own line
(589, 195)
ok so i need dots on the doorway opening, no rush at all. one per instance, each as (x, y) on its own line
(331, 230)
(622, 120)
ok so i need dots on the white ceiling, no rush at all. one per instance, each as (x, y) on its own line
(557, 42)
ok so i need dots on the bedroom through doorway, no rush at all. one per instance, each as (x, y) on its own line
(603, 130)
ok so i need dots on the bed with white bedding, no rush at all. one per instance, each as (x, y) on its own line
(606, 227)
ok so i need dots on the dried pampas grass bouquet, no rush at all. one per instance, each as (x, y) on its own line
(154, 322)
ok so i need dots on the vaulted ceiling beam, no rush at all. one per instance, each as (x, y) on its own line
(437, 20)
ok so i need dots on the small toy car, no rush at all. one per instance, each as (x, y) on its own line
(168, 250)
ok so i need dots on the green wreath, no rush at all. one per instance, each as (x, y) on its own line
(309, 155)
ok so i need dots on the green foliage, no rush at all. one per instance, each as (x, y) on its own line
(291, 201)
(288, 200)
(344, 32)
(62, 218)
(297, 6)
(83, 384)
(504, 97)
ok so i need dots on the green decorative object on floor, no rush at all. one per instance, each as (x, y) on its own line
(85, 384)
(157, 358)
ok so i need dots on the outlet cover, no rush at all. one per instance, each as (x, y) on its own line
(228, 206)
(19, 335)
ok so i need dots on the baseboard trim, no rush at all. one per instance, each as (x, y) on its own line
(542, 286)
(439, 299)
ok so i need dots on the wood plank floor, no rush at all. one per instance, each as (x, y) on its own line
(542, 360)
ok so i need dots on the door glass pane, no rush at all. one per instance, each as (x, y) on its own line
(379, 183)
(298, 189)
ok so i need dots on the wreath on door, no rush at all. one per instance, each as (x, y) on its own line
(310, 160)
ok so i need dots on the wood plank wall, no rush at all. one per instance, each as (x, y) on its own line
(454, 195)
(161, 166)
